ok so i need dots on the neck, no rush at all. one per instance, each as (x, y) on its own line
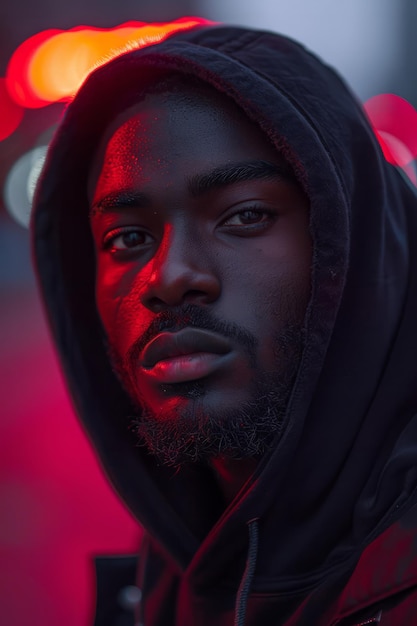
(231, 475)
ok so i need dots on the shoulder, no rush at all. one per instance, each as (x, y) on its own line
(383, 585)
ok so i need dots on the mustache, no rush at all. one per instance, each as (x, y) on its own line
(191, 315)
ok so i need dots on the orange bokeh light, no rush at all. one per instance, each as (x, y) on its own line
(51, 66)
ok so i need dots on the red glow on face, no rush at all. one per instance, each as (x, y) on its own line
(395, 122)
(11, 113)
(52, 65)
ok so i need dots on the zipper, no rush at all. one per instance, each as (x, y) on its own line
(371, 621)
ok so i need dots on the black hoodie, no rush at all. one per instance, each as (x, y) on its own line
(345, 469)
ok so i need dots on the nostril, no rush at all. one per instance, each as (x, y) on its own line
(193, 296)
(156, 305)
(196, 295)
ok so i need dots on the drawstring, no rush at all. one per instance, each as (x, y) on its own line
(245, 583)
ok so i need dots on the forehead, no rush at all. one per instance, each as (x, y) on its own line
(187, 109)
(191, 128)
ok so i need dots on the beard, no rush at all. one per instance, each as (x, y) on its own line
(193, 432)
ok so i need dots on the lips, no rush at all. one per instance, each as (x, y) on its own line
(187, 341)
(188, 354)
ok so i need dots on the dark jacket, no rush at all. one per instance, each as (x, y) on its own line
(324, 531)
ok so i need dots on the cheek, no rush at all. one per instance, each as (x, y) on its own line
(274, 281)
(266, 303)
(119, 304)
(288, 270)
(270, 297)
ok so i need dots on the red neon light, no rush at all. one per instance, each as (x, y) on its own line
(11, 113)
(52, 65)
(17, 70)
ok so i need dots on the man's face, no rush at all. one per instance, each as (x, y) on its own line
(203, 273)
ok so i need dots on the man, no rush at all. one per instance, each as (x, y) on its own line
(229, 268)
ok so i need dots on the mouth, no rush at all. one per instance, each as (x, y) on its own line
(186, 355)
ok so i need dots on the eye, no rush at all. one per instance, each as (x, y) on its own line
(254, 218)
(126, 239)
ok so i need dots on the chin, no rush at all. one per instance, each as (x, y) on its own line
(196, 424)
(193, 389)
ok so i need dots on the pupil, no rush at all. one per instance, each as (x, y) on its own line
(250, 216)
(131, 239)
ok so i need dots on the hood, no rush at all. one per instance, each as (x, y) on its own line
(345, 464)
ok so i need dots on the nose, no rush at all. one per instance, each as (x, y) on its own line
(181, 272)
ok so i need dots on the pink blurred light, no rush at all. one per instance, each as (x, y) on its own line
(395, 122)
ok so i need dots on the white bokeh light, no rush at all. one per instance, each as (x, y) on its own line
(21, 182)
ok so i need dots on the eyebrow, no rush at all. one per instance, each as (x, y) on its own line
(122, 199)
(200, 184)
(239, 172)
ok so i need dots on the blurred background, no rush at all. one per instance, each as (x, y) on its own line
(57, 510)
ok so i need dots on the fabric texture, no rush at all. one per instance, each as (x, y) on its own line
(344, 473)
